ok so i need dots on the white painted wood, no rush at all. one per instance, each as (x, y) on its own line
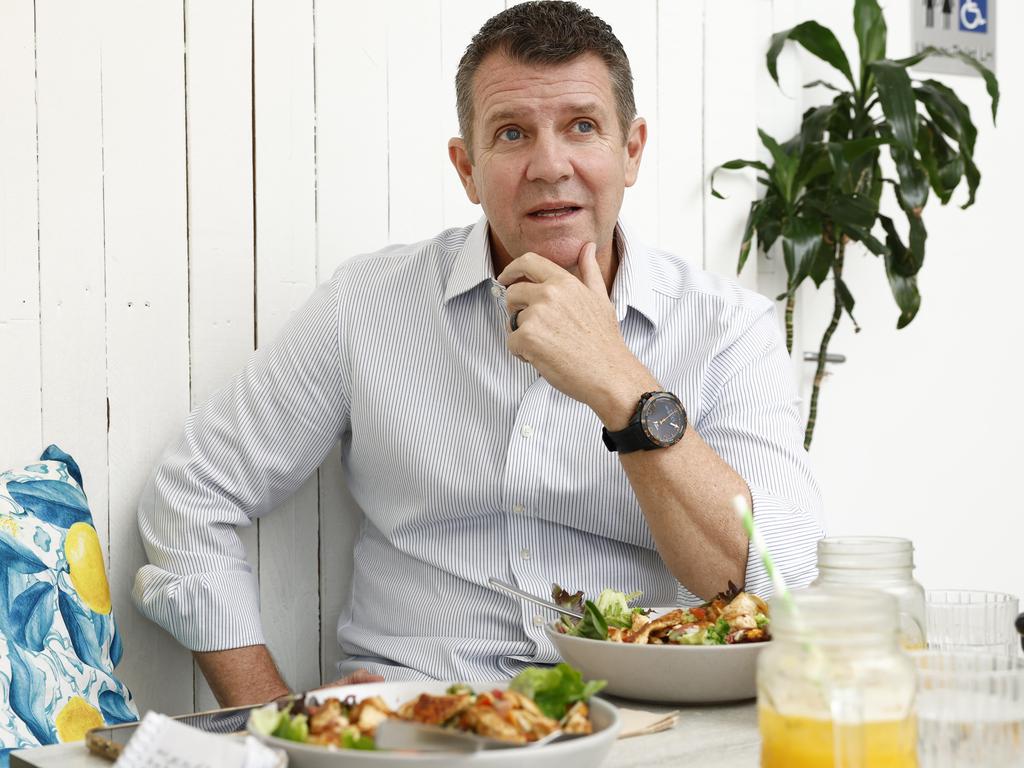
(72, 270)
(19, 244)
(147, 319)
(636, 26)
(417, 160)
(681, 194)
(218, 80)
(460, 20)
(285, 276)
(352, 217)
(733, 50)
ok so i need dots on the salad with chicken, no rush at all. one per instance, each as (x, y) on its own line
(732, 617)
(537, 702)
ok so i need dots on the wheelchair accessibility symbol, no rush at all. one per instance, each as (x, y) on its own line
(974, 16)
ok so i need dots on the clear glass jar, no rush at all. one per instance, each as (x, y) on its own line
(878, 562)
(834, 688)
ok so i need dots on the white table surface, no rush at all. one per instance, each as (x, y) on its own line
(729, 732)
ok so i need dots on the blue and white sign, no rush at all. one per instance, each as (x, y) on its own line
(956, 27)
(974, 16)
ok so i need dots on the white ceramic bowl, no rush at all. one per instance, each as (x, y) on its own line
(676, 674)
(587, 750)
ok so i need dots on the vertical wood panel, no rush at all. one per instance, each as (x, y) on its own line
(636, 26)
(19, 245)
(218, 80)
(352, 217)
(285, 277)
(733, 50)
(680, 128)
(417, 162)
(147, 300)
(460, 20)
(72, 271)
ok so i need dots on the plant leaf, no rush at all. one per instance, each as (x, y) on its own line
(817, 40)
(758, 208)
(784, 171)
(897, 98)
(734, 165)
(801, 239)
(953, 118)
(904, 289)
(823, 84)
(991, 84)
(869, 26)
(846, 298)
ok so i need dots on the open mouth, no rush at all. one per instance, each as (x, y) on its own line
(554, 213)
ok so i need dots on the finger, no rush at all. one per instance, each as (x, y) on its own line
(533, 267)
(359, 677)
(522, 295)
(590, 270)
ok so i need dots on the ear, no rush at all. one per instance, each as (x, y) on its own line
(635, 149)
(460, 159)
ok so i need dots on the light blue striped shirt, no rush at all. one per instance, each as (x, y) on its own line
(465, 462)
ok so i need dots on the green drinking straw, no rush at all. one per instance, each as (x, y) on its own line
(739, 503)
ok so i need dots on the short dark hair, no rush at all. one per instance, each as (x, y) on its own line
(545, 32)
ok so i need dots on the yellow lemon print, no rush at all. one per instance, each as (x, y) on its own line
(76, 717)
(85, 559)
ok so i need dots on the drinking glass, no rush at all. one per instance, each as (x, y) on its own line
(972, 620)
(970, 710)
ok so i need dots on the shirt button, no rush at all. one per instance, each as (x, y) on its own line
(496, 291)
(519, 509)
(524, 553)
(526, 431)
(538, 621)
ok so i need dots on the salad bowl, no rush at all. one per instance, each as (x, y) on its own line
(588, 750)
(669, 673)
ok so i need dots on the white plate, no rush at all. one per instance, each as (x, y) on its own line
(675, 674)
(586, 750)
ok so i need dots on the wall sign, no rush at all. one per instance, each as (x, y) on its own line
(956, 25)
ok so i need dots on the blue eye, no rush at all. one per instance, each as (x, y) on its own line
(585, 126)
(511, 134)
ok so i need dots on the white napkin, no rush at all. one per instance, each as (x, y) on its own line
(162, 742)
(639, 722)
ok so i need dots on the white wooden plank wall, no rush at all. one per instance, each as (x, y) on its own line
(202, 166)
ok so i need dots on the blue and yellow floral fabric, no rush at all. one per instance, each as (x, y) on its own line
(58, 640)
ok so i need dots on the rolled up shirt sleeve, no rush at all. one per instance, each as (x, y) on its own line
(755, 425)
(242, 452)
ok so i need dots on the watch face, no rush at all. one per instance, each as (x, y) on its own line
(663, 419)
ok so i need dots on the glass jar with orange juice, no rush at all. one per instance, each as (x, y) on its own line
(878, 562)
(834, 687)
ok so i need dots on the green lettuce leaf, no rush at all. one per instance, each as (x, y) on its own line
(554, 689)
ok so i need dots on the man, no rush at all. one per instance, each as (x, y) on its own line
(537, 397)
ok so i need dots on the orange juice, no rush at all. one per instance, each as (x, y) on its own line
(804, 742)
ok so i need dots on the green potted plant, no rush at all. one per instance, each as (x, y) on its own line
(823, 187)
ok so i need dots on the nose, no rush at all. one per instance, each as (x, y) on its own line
(550, 160)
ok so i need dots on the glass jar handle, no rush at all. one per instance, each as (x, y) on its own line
(847, 709)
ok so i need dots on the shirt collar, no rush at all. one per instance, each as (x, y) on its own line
(632, 287)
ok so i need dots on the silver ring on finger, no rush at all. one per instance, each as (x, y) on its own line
(514, 320)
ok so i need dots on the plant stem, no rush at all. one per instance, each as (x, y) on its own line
(790, 303)
(819, 374)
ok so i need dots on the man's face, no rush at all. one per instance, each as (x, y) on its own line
(549, 161)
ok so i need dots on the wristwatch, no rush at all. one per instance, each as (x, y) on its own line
(658, 422)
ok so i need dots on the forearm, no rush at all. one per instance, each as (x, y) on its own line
(241, 676)
(685, 493)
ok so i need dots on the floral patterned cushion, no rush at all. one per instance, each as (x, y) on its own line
(58, 640)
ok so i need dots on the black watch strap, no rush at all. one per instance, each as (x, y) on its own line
(627, 440)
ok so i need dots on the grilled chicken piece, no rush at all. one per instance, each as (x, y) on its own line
(486, 721)
(756, 635)
(520, 701)
(327, 717)
(435, 710)
(617, 634)
(369, 713)
(670, 619)
(577, 719)
(533, 726)
(741, 612)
